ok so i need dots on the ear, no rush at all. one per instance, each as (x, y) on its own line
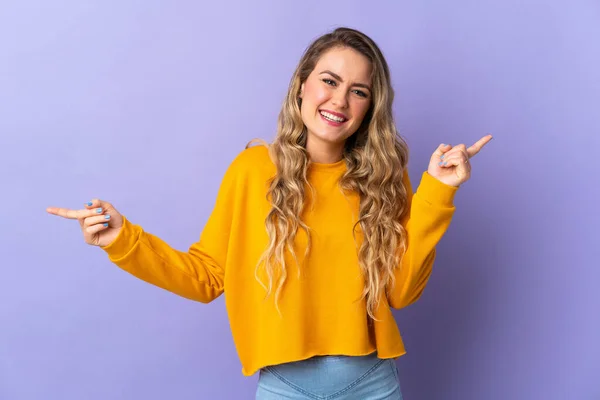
(301, 91)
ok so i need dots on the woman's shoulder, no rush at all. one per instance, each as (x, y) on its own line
(253, 159)
(257, 154)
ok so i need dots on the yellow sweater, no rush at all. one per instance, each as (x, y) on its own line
(319, 311)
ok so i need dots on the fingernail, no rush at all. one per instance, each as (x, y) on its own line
(89, 203)
(98, 210)
(443, 145)
(442, 156)
(446, 163)
(107, 216)
(106, 224)
(440, 163)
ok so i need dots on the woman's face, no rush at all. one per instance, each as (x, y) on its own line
(335, 98)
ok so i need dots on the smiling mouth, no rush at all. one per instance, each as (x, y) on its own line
(331, 117)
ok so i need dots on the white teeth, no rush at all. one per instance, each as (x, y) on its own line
(332, 117)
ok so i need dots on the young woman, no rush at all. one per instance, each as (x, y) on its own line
(314, 237)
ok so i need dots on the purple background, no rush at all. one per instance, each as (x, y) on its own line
(145, 103)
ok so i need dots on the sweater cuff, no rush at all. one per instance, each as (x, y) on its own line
(124, 242)
(436, 192)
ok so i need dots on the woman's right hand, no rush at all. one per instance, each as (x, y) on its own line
(100, 222)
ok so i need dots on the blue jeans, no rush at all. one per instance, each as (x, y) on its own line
(331, 377)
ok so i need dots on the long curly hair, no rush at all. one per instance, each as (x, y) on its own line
(375, 156)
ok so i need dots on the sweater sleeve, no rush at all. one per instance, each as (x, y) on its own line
(197, 274)
(430, 211)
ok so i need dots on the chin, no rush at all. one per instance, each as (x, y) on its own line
(330, 137)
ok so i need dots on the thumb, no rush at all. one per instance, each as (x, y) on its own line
(441, 149)
(438, 153)
(97, 203)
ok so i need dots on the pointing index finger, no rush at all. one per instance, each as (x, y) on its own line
(68, 213)
(471, 151)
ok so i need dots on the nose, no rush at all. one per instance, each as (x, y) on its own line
(339, 99)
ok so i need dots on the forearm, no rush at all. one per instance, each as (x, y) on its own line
(191, 274)
(430, 215)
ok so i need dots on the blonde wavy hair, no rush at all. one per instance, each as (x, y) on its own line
(375, 155)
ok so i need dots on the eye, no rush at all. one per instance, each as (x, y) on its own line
(360, 93)
(330, 82)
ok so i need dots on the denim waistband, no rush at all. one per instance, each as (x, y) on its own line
(331, 377)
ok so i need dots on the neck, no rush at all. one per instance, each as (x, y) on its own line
(324, 152)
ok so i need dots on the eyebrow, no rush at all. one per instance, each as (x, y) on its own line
(339, 78)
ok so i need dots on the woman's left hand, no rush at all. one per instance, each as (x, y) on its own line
(450, 165)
